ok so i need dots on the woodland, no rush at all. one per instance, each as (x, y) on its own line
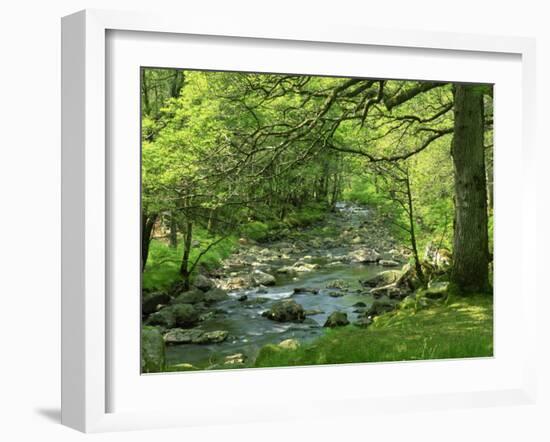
(301, 220)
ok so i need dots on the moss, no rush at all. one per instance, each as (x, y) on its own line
(152, 350)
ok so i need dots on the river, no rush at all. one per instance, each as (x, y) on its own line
(249, 331)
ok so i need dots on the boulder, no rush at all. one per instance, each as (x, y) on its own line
(236, 282)
(289, 344)
(286, 310)
(364, 256)
(152, 350)
(193, 296)
(213, 337)
(337, 284)
(408, 278)
(203, 283)
(151, 301)
(215, 295)
(335, 294)
(185, 315)
(164, 318)
(177, 336)
(181, 336)
(359, 304)
(337, 319)
(303, 267)
(392, 291)
(206, 316)
(302, 290)
(262, 278)
(379, 306)
(383, 278)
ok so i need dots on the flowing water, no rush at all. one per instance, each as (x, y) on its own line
(249, 331)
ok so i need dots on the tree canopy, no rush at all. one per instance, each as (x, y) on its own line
(229, 154)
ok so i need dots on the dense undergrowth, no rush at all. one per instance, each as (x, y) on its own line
(164, 261)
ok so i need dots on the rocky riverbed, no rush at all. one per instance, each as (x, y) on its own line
(286, 290)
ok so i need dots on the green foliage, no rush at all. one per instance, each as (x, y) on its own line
(462, 327)
(306, 216)
(256, 230)
(164, 262)
(259, 154)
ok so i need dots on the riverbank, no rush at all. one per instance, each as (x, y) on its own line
(337, 291)
(460, 327)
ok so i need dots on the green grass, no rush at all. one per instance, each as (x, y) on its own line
(458, 328)
(164, 262)
(306, 216)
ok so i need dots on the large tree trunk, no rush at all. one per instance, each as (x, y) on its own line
(470, 252)
(147, 224)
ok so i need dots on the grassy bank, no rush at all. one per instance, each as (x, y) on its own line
(460, 327)
(296, 218)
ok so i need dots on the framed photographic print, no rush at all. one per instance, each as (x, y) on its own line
(255, 218)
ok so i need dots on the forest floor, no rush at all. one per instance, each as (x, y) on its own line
(320, 268)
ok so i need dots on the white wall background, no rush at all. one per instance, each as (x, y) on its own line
(30, 214)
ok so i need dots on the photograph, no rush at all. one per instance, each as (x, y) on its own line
(290, 219)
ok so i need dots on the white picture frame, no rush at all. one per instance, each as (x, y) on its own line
(86, 351)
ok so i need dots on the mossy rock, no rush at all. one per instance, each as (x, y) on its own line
(185, 315)
(215, 295)
(151, 301)
(382, 279)
(337, 284)
(337, 319)
(194, 336)
(193, 296)
(286, 310)
(152, 350)
(203, 283)
(380, 306)
(163, 318)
